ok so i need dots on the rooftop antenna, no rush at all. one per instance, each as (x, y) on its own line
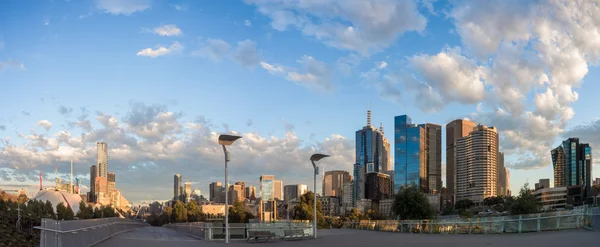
(381, 127)
(369, 115)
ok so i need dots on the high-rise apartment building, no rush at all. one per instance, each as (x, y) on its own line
(572, 162)
(102, 157)
(370, 156)
(236, 193)
(333, 181)
(418, 155)
(251, 192)
(242, 196)
(93, 174)
(176, 187)
(187, 190)
(112, 188)
(213, 191)
(454, 130)
(267, 187)
(378, 187)
(278, 189)
(294, 191)
(476, 159)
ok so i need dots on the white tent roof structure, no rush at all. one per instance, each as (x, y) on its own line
(57, 196)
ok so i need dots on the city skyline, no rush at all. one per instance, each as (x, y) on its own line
(147, 78)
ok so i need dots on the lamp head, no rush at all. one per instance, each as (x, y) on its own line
(317, 157)
(227, 140)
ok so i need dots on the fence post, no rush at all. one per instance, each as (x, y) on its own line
(539, 223)
(470, 226)
(520, 222)
(558, 220)
(503, 221)
(577, 222)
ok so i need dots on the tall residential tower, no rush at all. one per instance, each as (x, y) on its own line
(454, 130)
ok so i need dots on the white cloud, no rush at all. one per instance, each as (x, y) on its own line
(151, 142)
(382, 65)
(215, 49)
(247, 23)
(11, 64)
(365, 26)
(313, 74)
(45, 123)
(180, 7)
(168, 30)
(160, 50)
(246, 53)
(123, 7)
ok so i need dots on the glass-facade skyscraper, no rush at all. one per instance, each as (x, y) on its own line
(572, 163)
(267, 187)
(417, 155)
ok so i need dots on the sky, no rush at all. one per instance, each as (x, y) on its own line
(160, 80)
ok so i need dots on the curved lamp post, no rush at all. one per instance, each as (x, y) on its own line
(313, 158)
(227, 140)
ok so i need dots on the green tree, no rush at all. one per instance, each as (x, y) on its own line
(525, 203)
(410, 203)
(448, 211)
(85, 211)
(64, 213)
(355, 215)
(304, 210)
(238, 213)
(193, 211)
(168, 212)
(180, 212)
(463, 204)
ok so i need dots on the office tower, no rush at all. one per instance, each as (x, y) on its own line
(267, 192)
(454, 130)
(102, 157)
(251, 193)
(112, 188)
(572, 162)
(476, 164)
(213, 191)
(433, 157)
(187, 190)
(235, 194)
(369, 156)
(242, 196)
(176, 187)
(544, 183)
(417, 157)
(92, 193)
(347, 200)
(294, 191)
(333, 181)
(386, 162)
(378, 186)
(278, 189)
(501, 171)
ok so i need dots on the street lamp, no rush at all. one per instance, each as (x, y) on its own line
(227, 140)
(313, 158)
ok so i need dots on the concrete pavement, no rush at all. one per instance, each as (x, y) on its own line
(158, 236)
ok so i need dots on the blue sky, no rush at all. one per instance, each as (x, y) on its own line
(165, 77)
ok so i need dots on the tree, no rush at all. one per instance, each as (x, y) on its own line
(180, 212)
(193, 211)
(463, 204)
(304, 210)
(239, 213)
(168, 212)
(64, 213)
(85, 211)
(410, 203)
(525, 203)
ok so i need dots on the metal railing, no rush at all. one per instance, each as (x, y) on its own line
(216, 231)
(552, 221)
(58, 233)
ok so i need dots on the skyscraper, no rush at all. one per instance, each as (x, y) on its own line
(267, 189)
(386, 161)
(214, 189)
(278, 190)
(242, 195)
(176, 187)
(454, 130)
(502, 176)
(294, 191)
(369, 156)
(112, 188)
(251, 192)
(102, 157)
(418, 155)
(333, 181)
(572, 162)
(477, 164)
(93, 174)
(187, 190)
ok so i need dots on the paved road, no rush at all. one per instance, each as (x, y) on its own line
(158, 236)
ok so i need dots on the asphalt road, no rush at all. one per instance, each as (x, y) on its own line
(159, 236)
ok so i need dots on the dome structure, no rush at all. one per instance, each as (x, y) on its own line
(57, 196)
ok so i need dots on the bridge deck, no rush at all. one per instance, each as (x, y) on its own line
(159, 236)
